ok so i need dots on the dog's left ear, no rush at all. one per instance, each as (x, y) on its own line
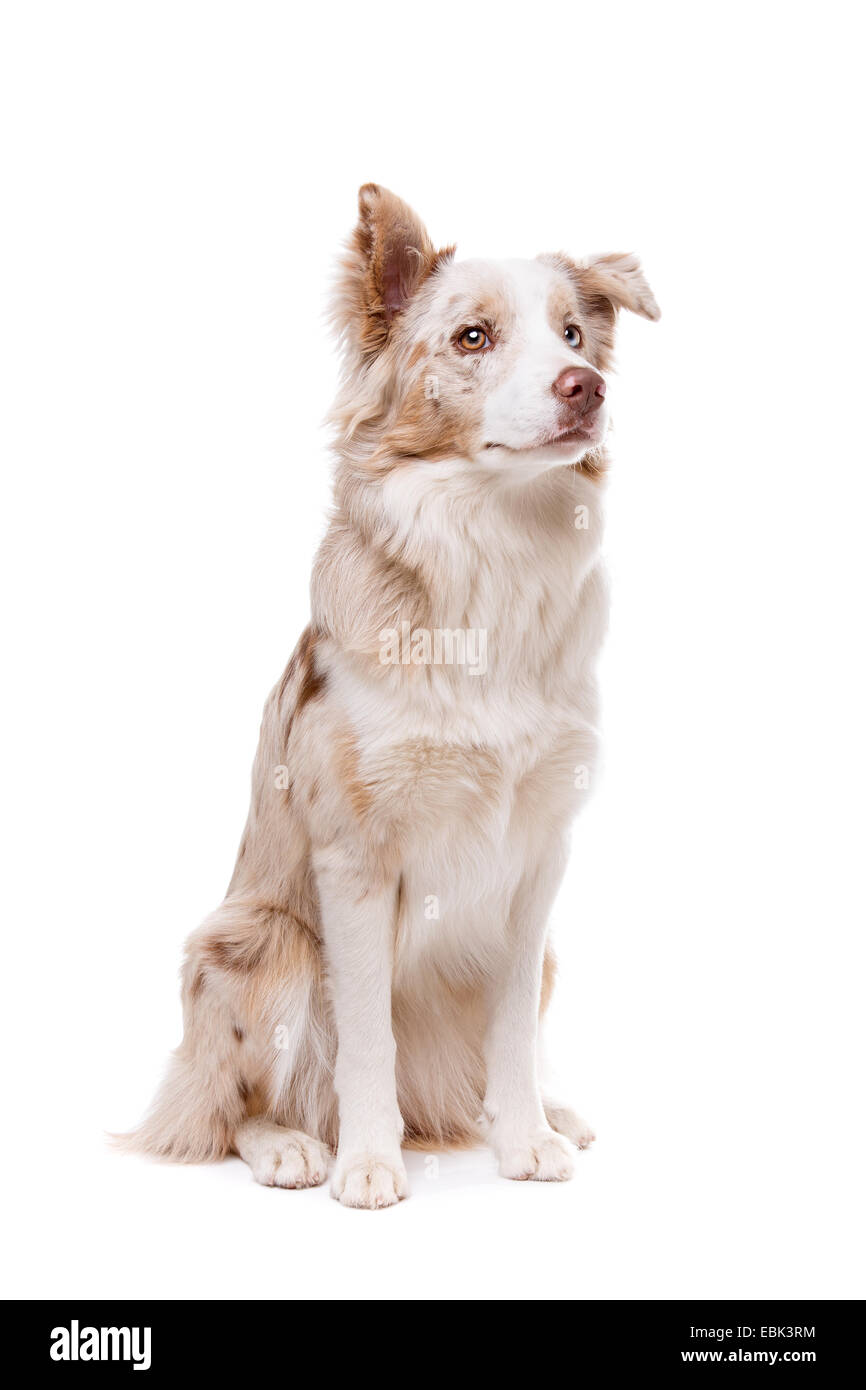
(617, 282)
(389, 257)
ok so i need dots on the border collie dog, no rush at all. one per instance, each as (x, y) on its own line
(379, 969)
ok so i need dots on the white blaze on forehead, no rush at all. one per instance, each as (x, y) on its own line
(521, 406)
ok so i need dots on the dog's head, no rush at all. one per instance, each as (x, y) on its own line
(499, 363)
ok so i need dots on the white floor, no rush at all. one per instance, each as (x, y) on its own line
(663, 1210)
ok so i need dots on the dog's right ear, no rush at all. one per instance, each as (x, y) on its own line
(389, 256)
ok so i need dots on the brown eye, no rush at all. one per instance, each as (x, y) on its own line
(473, 340)
(572, 335)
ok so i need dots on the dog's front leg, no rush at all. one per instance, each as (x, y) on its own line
(358, 928)
(522, 1139)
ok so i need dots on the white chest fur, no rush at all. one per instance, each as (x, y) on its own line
(481, 770)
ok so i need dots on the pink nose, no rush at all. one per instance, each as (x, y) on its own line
(581, 388)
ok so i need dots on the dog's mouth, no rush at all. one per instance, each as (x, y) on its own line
(589, 431)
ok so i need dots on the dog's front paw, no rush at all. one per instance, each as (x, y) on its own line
(369, 1180)
(540, 1157)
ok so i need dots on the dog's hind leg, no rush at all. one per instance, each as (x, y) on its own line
(212, 1076)
(203, 1097)
(252, 973)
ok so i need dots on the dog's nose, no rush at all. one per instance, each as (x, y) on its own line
(582, 389)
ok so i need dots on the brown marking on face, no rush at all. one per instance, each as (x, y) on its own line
(596, 315)
(562, 307)
(445, 421)
(490, 311)
(605, 284)
(419, 352)
(431, 426)
(237, 1033)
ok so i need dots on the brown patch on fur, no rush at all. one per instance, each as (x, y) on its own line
(302, 664)
(426, 428)
(562, 306)
(380, 589)
(548, 979)
(298, 657)
(256, 945)
(419, 352)
(593, 465)
(347, 768)
(399, 906)
(256, 1101)
(593, 292)
(313, 681)
(237, 955)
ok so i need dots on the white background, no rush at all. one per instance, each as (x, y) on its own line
(177, 180)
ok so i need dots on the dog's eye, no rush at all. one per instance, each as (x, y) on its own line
(572, 335)
(473, 339)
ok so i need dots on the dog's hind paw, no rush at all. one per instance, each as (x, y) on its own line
(281, 1157)
(567, 1122)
